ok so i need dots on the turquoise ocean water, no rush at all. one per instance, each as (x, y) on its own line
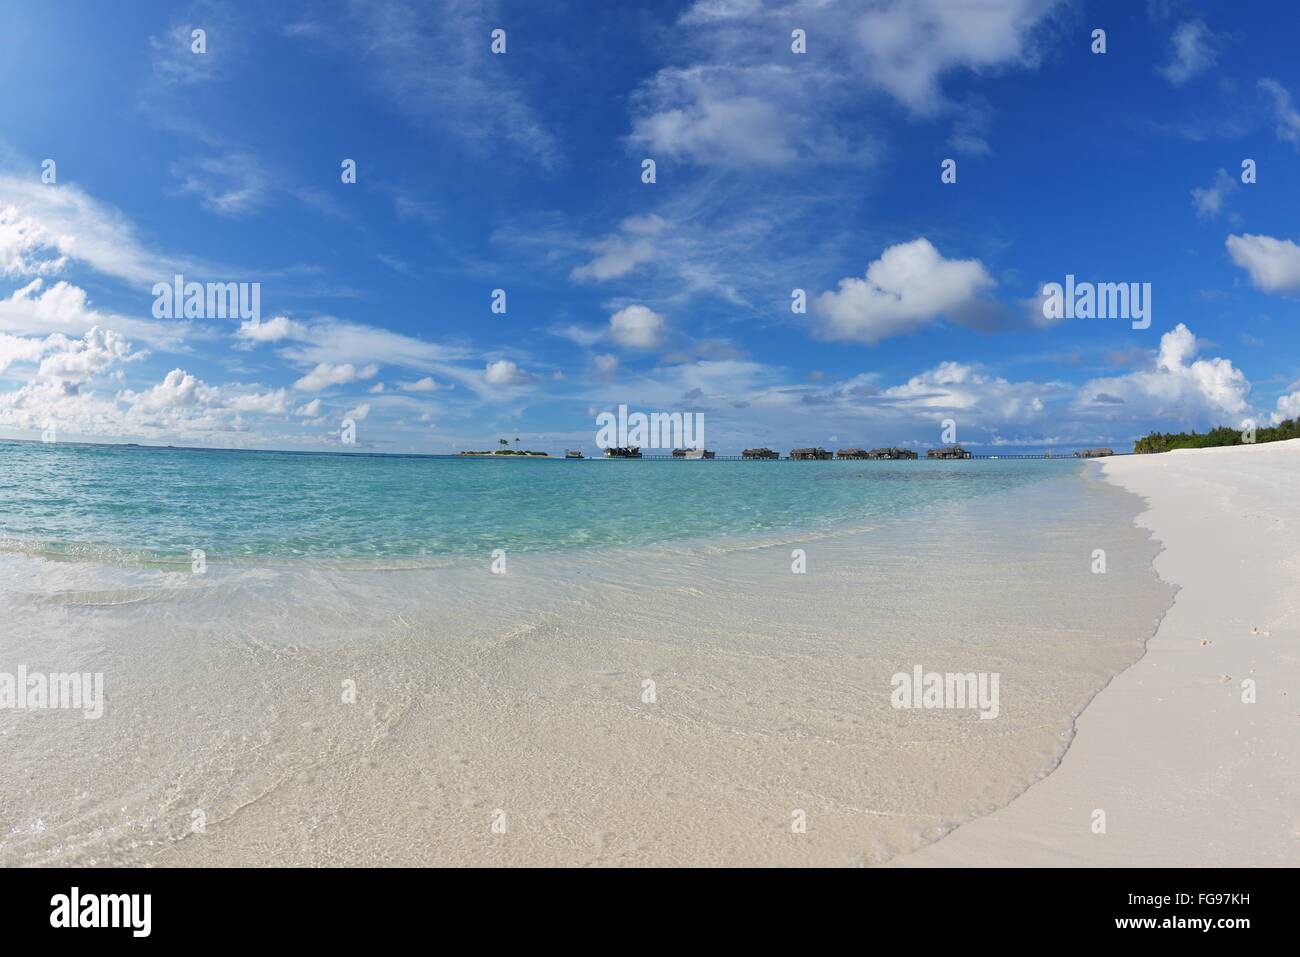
(134, 504)
(478, 690)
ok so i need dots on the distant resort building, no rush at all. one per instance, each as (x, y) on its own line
(856, 453)
(815, 454)
(948, 452)
(891, 454)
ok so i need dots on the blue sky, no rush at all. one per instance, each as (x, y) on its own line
(775, 171)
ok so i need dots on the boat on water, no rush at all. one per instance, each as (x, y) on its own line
(573, 454)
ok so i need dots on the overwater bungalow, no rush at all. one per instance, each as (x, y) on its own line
(948, 452)
(852, 454)
(818, 454)
(1093, 453)
(623, 452)
(760, 454)
(694, 454)
(572, 454)
(895, 453)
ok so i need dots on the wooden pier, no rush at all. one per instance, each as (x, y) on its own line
(1062, 456)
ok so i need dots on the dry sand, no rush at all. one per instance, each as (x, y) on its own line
(1187, 772)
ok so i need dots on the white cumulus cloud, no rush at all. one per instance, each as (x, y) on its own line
(179, 390)
(1288, 407)
(953, 387)
(1175, 385)
(636, 327)
(19, 349)
(26, 247)
(504, 372)
(76, 361)
(275, 402)
(911, 44)
(617, 255)
(273, 330)
(420, 385)
(326, 375)
(910, 285)
(1273, 264)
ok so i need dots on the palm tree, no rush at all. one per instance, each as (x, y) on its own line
(504, 443)
(516, 441)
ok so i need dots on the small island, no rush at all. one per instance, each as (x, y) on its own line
(507, 450)
(511, 452)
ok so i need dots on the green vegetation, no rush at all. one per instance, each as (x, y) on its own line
(507, 451)
(1164, 442)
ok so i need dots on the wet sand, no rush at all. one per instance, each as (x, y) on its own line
(1188, 772)
(522, 700)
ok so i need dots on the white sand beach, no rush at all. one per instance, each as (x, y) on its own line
(1185, 771)
(226, 740)
(227, 736)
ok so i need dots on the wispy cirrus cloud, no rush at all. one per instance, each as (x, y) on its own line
(231, 185)
(712, 238)
(1209, 201)
(742, 98)
(464, 89)
(1191, 52)
(1285, 116)
(44, 227)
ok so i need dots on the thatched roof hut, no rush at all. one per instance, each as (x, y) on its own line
(818, 454)
(621, 452)
(1093, 453)
(763, 453)
(894, 453)
(948, 452)
(851, 454)
(694, 454)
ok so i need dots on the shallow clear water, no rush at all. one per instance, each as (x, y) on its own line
(115, 503)
(224, 692)
(475, 691)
